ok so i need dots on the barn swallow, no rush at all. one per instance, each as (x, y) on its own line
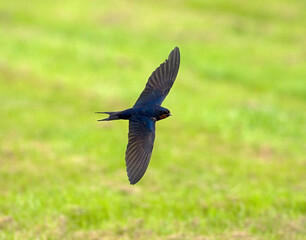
(144, 114)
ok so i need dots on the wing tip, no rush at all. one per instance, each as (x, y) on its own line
(175, 54)
(176, 49)
(134, 180)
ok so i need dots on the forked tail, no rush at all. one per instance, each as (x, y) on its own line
(112, 116)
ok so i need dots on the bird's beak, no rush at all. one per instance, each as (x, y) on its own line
(170, 114)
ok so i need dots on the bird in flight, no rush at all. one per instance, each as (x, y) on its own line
(144, 114)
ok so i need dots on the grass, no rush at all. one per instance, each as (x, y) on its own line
(230, 164)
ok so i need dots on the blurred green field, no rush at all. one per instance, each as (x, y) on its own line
(230, 164)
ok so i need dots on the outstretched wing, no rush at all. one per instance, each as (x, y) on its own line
(139, 148)
(161, 81)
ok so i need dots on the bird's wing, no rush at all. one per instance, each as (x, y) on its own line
(139, 148)
(161, 81)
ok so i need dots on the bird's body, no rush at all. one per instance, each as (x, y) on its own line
(144, 114)
(153, 112)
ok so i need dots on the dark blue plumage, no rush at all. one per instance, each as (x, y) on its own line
(144, 114)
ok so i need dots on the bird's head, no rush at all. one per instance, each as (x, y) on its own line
(163, 113)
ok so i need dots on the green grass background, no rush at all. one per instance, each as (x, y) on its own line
(229, 164)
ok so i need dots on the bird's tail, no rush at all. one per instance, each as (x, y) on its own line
(112, 116)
